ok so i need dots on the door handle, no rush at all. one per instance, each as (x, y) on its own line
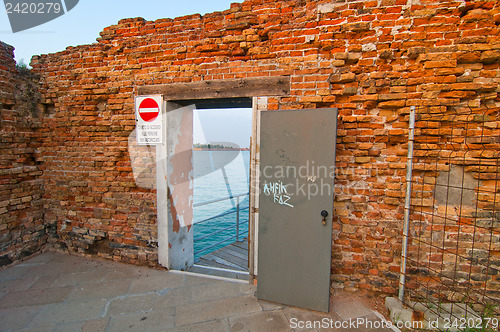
(324, 214)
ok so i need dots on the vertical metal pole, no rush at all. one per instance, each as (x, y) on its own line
(406, 227)
(224, 174)
(237, 218)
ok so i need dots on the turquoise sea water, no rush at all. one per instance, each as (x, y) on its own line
(219, 174)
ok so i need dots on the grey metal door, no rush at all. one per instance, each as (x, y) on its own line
(297, 151)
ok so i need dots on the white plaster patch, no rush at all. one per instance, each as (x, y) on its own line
(326, 8)
(310, 38)
(369, 47)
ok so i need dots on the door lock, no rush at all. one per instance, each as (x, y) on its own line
(324, 214)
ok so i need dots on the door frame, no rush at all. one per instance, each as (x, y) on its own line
(259, 104)
(169, 257)
(257, 88)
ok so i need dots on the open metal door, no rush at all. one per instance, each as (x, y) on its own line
(297, 151)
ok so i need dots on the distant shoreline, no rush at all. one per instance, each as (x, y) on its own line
(221, 149)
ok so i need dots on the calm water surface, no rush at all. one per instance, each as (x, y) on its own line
(219, 174)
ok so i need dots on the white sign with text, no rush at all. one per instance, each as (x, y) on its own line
(148, 119)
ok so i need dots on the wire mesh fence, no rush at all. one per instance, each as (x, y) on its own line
(454, 252)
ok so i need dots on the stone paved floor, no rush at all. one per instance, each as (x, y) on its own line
(59, 292)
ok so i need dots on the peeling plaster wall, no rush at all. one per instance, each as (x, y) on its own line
(180, 184)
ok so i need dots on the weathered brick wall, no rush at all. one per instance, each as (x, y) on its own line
(371, 59)
(22, 226)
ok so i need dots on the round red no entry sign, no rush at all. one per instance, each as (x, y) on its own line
(149, 109)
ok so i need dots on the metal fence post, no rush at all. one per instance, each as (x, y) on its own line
(406, 226)
(237, 218)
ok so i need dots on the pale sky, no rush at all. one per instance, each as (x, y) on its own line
(82, 24)
(232, 125)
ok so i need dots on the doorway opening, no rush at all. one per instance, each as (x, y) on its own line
(174, 176)
(221, 165)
